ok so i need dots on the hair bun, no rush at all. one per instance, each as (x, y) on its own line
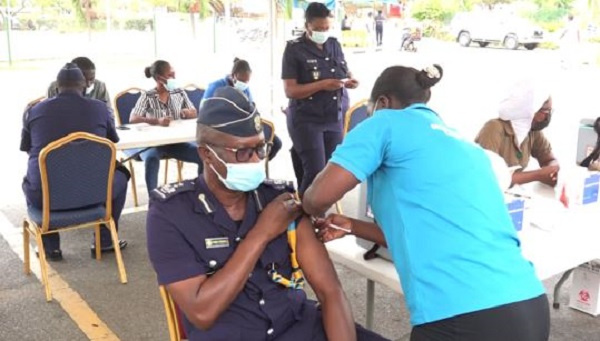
(235, 60)
(147, 72)
(430, 76)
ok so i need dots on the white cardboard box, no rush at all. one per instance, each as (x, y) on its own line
(585, 289)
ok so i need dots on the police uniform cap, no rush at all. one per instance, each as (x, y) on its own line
(230, 112)
(70, 73)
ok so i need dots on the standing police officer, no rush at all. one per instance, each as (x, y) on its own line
(314, 74)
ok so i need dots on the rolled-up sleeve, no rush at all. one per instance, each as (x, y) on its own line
(171, 255)
(364, 148)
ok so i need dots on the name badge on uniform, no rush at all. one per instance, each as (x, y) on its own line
(316, 74)
(216, 243)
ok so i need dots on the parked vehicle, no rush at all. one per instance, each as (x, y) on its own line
(490, 28)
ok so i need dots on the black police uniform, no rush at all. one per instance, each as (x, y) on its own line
(53, 119)
(315, 124)
(190, 234)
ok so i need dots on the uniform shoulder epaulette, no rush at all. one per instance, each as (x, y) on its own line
(280, 185)
(164, 193)
(294, 41)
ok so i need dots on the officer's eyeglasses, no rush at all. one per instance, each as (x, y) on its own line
(245, 154)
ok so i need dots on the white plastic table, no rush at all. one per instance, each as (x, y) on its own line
(142, 135)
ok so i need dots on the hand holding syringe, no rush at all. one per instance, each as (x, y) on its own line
(330, 225)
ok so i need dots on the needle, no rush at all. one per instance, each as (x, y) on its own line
(333, 226)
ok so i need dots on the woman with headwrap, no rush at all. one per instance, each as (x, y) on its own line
(517, 134)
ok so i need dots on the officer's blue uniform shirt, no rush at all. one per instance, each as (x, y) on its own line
(305, 62)
(226, 81)
(437, 200)
(75, 113)
(185, 222)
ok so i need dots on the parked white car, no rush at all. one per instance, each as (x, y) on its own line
(489, 28)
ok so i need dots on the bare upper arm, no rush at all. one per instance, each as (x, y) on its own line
(289, 85)
(314, 260)
(328, 187)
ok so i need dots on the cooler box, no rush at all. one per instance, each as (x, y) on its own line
(586, 289)
(590, 189)
(586, 139)
(584, 187)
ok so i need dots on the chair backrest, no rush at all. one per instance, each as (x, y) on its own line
(195, 94)
(76, 171)
(125, 102)
(358, 113)
(268, 130)
(174, 322)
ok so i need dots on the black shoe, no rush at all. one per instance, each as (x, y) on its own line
(53, 256)
(108, 249)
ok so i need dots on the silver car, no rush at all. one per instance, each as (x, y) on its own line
(489, 28)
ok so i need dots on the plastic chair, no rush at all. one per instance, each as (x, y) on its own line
(77, 178)
(195, 94)
(174, 317)
(269, 132)
(124, 103)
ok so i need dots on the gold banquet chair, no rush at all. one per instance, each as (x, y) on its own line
(356, 114)
(76, 171)
(173, 314)
(269, 132)
(124, 103)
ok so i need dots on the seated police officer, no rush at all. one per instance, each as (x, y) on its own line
(55, 118)
(219, 243)
(94, 88)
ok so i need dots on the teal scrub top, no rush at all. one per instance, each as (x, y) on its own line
(439, 205)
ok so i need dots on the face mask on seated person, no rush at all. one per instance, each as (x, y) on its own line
(241, 177)
(172, 84)
(89, 89)
(242, 86)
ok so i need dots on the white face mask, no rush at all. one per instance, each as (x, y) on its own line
(319, 37)
(172, 84)
(242, 86)
(241, 177)
(89, 89)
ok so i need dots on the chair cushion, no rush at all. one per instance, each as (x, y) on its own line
(60, 219)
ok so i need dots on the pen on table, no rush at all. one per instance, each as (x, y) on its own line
(517, 195)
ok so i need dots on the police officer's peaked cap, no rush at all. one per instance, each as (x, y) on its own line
(70, 73)
(230, 112)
